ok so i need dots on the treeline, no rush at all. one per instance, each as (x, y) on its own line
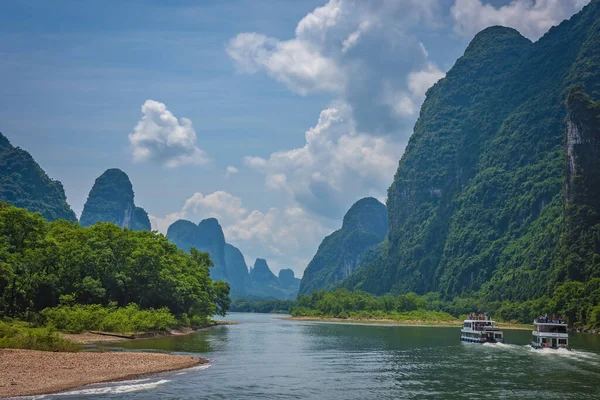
(342, 303)
(256, 305)
(578, 302)
(47, 264)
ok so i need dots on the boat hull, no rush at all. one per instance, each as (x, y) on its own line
(538, 347)
(475, 340)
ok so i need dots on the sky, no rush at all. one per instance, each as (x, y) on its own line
(273, 116)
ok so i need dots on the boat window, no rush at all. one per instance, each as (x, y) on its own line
(498, 336)
(467, 324)
(562, 341)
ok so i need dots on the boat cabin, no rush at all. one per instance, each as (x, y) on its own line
(480, 329)
(551, 333)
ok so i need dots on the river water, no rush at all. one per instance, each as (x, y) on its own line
(266, 357)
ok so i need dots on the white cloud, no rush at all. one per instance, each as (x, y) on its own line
(160, 137)
(285, 238)
(406, 103)
(296, 63)
(231, 170)
(356, 50)
(336, 166)
(532, 18)
(364, 55)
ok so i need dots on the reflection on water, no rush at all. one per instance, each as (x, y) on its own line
(265, 357)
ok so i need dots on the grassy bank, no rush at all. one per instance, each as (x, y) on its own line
(17, 336)
(64, 327)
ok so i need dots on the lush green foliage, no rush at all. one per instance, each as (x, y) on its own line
(42, 262)
(85, 317)
(477, 207)
(111, 200)
(21, 337)
(365, 226)
(24, 184)
(342, 303)
(258, 305)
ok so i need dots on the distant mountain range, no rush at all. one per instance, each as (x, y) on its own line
(229, 263)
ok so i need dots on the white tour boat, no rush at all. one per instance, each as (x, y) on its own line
(550, 333)
(480, 329)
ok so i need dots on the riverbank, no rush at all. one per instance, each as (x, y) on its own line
(32, 372)
(415, 323)
(94, 337)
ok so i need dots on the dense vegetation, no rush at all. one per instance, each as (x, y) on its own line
(364, 226)
(261, 305)
(342, 303)
(44, 264)
(86, 317)
(24, 184)
(112, 200)
(575, 300)
(477, 209)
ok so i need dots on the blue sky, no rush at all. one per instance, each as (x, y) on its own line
(273, 116)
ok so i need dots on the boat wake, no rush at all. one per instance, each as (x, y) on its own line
(192, 369)
(116, 387)
(575, 354)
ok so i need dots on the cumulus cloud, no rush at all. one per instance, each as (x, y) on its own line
(284, 237)
(356, 50)
(366, 56)
(220, 204)
(336, 166)
(532, 18)
(160, 137)
(231, 170)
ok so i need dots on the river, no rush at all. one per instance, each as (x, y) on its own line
(266, 357)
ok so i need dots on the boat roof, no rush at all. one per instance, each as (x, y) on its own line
(480, 320)
(549, 323)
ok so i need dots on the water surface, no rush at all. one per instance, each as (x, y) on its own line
(266, 357)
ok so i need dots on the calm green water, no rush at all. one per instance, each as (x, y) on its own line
(264, 357)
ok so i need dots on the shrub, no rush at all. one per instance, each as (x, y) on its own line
(130, 319)
(45, 338)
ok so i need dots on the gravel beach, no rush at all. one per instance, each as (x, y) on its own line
(30, 372)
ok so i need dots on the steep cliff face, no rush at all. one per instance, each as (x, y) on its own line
(210, 238)
(261, 274)
(288, 280)
(477, 201)
(364, 226)
(237, 270)
(23, 183)
(112, 200)
(207, 237)
(580, 244)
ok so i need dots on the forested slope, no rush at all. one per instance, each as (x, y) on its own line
(477, 206)
(23, 183)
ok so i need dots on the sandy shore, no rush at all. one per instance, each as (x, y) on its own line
(30, 372)
(382, 321)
